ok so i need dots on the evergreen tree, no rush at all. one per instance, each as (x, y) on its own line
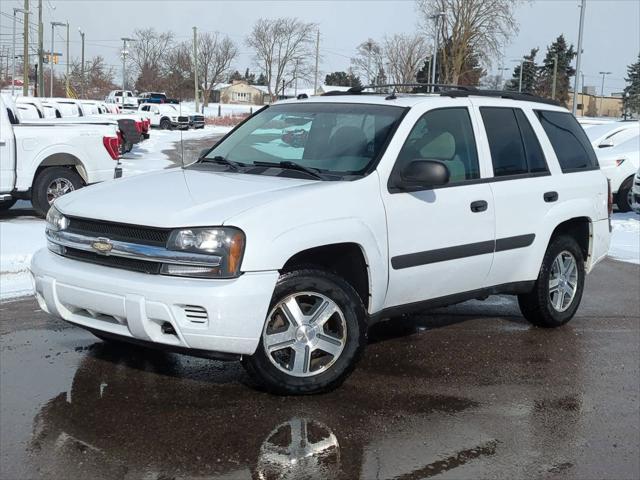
(529, 74)
(262, 80)
(342, 79)
(544, 84)
(249, 77)
(235, 76)
(631, 95)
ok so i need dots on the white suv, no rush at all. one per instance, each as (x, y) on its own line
(318, 216)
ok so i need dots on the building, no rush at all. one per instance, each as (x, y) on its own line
(597, 106)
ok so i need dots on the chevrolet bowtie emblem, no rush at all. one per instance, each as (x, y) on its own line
(102, 245)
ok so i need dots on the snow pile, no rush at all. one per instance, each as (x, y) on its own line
(19, 239)
(226, 109)
(625, 237)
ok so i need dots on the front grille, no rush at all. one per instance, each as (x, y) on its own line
(119, 231)
(115, 262)
(183, 119)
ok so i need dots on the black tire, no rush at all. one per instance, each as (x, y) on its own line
(128, 147)
(7, 204)
(273, 379)
(536, 306)
(622, 197)
(165, 124)
(44, 179)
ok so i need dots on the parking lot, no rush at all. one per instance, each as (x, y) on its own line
(470, 391)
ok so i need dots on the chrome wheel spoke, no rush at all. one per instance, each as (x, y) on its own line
(278, 341)
(328, 344)
(324, 312)
(554, 285)
(300, 358)
(563, 281)
(293, 312)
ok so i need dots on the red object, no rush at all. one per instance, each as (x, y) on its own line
(138, 126)
(112, 144)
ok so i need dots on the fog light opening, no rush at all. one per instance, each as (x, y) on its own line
(168, 329)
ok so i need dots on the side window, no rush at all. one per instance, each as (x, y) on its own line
(569, 140)
(507, 150)
(535, 156)
(446, 135)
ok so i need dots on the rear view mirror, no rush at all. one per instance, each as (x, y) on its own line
(422, 174)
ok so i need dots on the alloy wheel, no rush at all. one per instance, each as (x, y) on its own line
(563, 281)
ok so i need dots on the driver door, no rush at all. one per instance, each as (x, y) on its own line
(441, 239)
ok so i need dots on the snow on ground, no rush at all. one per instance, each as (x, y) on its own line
(625, 237)
(226, 109)
(147, 155)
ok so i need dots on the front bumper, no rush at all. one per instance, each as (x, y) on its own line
(138, 306)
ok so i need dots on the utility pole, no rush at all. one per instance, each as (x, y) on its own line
(555, 76)
(583, 6)
(66, 83)
(195, 66)
(51, 53)
(82, 82)
(13, 50)
(501, 77)
(40, 76)
(315, 79)
(124, 64)
(602, 90)
(434, 67)
(25, 51)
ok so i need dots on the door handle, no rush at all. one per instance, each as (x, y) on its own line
(479, 206)
(550, 197)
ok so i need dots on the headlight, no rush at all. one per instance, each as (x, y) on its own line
(56, 221)
(224, 242)
(175, 119)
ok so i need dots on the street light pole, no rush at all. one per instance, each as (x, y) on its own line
(124, 64)
(13, 61)
(555, 75)
(53, 26)
(583, 6)
(602, 89)
(82, 64)
(25, 51)
(40, 76)
(195, 67)
(66, 86)
(501, 77)
(436, 18)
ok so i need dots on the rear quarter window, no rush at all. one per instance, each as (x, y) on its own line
(569, 141)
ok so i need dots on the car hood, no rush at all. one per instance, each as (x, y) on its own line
(177, 197)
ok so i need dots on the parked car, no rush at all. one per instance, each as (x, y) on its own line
(611, 135)
(620, 164)
(126, 101)
(155, 97)
(635, 192)
(283, 255)
(165, 116)
(196, 120)
(28, 111)
(43, 159)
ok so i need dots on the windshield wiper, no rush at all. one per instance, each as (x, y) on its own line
(219, 159)
(289, 165)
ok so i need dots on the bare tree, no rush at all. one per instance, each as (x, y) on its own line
(216, 53)
(177, 80)
(404, 54)
(368, 60)
(147, 55)
(282, 49)
(98, 77)
(470, 27)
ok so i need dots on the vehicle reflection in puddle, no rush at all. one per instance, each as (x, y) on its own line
(142, 414)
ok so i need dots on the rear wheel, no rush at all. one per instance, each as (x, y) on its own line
(51, 183)
(557, 293)
(313, 336)
(623, 198)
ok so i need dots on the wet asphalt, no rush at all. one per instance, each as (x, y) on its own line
(467, 392)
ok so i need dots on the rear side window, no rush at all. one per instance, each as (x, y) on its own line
(535, 156)
(507, 150)
(569, 141)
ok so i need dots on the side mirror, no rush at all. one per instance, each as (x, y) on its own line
(422, 174)
(606, 143)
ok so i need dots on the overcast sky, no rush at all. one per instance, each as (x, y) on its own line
(611, 42)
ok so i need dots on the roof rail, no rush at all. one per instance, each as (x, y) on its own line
(523, 96)
(361, 90)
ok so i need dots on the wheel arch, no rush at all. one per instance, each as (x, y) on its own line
(579, 228)
(63, 159)
(346, 259)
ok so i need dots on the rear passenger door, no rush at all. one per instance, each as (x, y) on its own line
(522, 185)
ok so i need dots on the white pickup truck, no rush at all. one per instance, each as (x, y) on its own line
(318, 216)
(41, 160)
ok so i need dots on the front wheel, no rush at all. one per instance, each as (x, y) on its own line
(165, 124)
(557, 292)
(51, 183)
(313, 336)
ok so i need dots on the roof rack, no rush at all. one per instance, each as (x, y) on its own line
(361, 90)
(523, 96)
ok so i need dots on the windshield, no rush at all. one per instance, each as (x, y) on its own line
(334, 138)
